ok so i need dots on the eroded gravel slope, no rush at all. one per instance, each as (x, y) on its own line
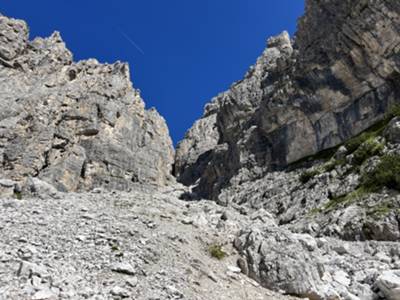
(145, 244)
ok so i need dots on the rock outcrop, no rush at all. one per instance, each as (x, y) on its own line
(339, 77)
(75, 125)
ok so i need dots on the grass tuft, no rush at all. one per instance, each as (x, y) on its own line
(217, 252)
(352, 197)
(369, 148)
(386, 174)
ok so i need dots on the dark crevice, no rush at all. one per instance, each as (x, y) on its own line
(46, 156)
(99, 112)
(83, 170)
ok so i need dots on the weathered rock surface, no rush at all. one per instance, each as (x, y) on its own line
(338, 78)
(325, 231)
(317, 268)
(75, 125)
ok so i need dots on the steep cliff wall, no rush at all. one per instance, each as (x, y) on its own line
(75, 125)
(339, 77)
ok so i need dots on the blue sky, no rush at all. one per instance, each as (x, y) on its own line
(181, 52)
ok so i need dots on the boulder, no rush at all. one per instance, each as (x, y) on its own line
(389, 284)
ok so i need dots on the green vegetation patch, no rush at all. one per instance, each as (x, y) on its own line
(308, 175)
(315, 211)
(352, 197)
(386, 174)
(369, 148)
(217, 252)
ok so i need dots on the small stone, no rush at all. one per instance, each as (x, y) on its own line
(234, 269)
(120, 292)
(383, 257)
(97, 191)
(88, 217)
(174, 292)
(81, 238)
(133, 282)
(87, 292)
(342, 278)
(341, 152)
(123, 268)
(187, 221)
(200, 221)
(341, 249)
(44, 295)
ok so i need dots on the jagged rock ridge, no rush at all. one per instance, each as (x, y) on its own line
(75, 125)
(339, 77)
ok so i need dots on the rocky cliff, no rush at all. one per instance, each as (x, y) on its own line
(75, 125)
(307, 144)
(338, 77)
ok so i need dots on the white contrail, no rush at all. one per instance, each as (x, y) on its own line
(128, 38)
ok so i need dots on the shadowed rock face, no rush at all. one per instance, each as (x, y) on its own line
(74, 125)
(339, 77)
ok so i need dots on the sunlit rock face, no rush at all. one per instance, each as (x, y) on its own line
(74, 125)
(337, 77)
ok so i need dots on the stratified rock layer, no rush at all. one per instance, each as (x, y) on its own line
(74, 125)
(339, 77)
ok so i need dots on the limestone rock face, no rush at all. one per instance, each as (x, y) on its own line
(338, 77)
(74, 125)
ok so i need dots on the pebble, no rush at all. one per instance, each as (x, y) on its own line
(119, 291)
(234, 269)
(44, 295)
(133, 282)
(123, 268)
